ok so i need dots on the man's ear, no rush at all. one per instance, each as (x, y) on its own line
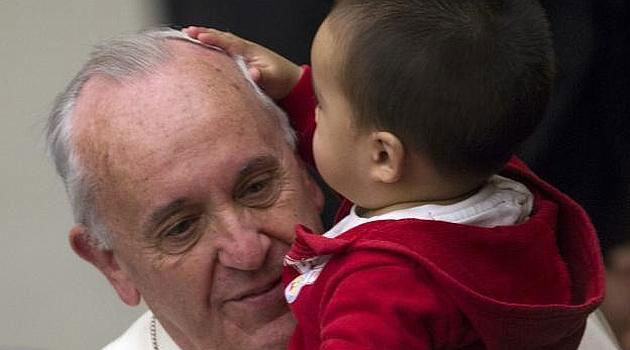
(387, 157)
(105, 261)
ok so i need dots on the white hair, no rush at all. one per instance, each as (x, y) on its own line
(121, 59)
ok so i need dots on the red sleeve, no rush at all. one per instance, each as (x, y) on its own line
(386, 307)
(300, 106)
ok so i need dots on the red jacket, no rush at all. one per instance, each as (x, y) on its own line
(416, 284)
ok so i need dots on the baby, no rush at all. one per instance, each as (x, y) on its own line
(446, 241)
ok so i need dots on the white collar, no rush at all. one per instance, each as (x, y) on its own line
(500, 202)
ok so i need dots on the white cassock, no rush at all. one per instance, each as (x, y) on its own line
(597, 336)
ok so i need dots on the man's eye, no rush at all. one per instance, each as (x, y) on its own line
(260, 192)
(257, 187)
(181, 236)
(181, 228)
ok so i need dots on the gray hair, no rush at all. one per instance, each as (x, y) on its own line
(120, 59)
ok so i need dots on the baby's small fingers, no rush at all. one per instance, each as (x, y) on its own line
(194, 31)
(254, 73)
(227, 41)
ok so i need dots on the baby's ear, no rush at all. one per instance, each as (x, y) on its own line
(387, 157)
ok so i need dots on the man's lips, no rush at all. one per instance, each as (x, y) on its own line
(258, 306)
(258, 291)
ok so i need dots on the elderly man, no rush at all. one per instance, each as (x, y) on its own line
(185, 188)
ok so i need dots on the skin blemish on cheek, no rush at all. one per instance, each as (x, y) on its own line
(236, 87)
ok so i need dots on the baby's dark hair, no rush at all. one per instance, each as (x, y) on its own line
(463, 82)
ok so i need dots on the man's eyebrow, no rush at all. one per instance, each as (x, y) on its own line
(162, 213)
(257, 163)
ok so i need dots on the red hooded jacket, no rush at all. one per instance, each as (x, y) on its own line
(418, 284)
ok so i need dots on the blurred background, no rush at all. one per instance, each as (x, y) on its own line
(49, 299)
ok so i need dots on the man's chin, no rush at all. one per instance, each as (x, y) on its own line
(273, 335)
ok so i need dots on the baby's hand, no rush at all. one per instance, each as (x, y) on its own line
(275, 74)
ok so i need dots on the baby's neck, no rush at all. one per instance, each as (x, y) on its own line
(403, 198)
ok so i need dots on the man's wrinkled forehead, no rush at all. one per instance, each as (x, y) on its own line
(185, 100)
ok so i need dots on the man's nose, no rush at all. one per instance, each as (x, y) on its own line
(240, 244)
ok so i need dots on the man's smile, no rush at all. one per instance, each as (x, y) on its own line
(263, 293)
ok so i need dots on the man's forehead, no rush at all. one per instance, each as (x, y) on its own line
(211, 59)
(199, 94)
(191, 67)
(195, 77)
